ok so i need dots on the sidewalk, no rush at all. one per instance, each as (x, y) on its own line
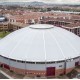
(6, 75)
(12, 75)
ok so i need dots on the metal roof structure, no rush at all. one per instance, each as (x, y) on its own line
(40, 42)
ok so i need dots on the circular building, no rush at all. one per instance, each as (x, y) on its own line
(2, 18)
(40, 50)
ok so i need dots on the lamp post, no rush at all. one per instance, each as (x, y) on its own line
(65, 66)
(25, 66)
(9, 61)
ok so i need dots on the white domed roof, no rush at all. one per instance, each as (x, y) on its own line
(41, 26)
(41, 44)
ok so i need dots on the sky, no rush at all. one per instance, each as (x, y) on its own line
(46, 1)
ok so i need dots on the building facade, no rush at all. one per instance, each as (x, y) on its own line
(43, 51)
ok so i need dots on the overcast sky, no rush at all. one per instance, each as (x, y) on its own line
(46, 1)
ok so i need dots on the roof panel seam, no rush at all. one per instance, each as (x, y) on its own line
(57, 44)
(44, 46)
(69, 42)
(17, 45)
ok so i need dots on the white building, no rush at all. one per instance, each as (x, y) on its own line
(40, 50)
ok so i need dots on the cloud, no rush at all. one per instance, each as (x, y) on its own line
(46, 1)
(62, 1)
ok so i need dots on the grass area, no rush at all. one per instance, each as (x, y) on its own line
(72, 74)
(3, 34)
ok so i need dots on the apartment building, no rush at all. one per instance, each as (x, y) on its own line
(67, 21)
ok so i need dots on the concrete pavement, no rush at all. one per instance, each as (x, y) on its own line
(3, 75)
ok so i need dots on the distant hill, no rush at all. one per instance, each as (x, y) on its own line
(35, 3)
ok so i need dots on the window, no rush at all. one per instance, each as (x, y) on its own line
(31, 62)
(50, 62)
(12, 59)
(60, 65)
(45, 62)
(5, 25)
(60, 61)
(40, 62)
(21, 61)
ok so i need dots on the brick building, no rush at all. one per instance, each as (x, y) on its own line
(20, 19)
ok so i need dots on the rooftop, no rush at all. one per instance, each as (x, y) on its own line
(41, 26)
(51, 44)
